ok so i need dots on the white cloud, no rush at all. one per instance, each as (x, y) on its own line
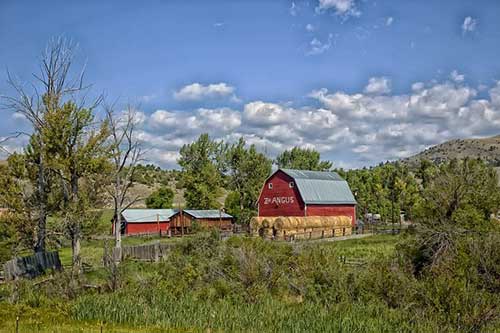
(417, 86)
(355, 129)
(455, 76)
(319, 47)
(310, 27)
(378, 85)
(389, 21)
(18, 116)
(341, 7)
(293, 9)
(261, 113)
(469, 24)
(197, 91)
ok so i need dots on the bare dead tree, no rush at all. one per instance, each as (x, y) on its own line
(126, 154)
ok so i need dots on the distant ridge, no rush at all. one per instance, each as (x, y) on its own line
(487, 149)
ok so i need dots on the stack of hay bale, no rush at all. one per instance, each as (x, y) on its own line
(294, 227)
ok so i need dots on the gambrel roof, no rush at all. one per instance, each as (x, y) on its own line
(321, 187)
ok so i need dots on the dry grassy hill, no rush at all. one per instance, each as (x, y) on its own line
(487, 149)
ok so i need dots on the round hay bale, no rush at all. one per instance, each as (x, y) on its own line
(255, 223)
(325, 221)
(316, 222)
(280, 223)
(268, 222)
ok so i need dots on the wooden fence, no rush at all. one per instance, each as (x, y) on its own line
(148, 252)
(31, 266)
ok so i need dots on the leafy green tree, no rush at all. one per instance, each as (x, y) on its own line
(77, 152)
(454, 212)
(247, 170)
(17, 225)
(232, 204)
(201, 163)
(459, 185)
(302, 159)
(161, 198)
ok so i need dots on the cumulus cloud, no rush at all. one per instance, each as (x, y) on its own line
(340, 7)
(318, 47)
(389, 21)
(352, 129)
(455, 76)
(310, 27)
(197, 92)
(378, 85)
(469, 24)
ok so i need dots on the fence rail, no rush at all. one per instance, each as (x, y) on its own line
(148, 252)
(31, 266)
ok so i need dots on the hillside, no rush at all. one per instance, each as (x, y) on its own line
(487, 149)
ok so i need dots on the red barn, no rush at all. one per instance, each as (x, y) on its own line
(306, 193)
(146, 221)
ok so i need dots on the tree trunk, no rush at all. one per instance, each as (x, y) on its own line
(75, 248)
(42, 213)
(118, 229)
(76, 234)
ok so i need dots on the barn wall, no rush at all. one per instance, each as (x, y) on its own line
(281, 200)
(224, 223)
(178, 221)
(145, 228)
(332, 210)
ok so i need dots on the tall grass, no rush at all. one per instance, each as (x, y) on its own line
(267, 315)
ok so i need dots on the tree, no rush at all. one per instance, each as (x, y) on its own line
(77, 152)
(202, 165)
(247, 170)
(459, 184)
(17, 224)
(302, 159)
(52, 88)
(161, 198)
(125, 155)
(454, 212)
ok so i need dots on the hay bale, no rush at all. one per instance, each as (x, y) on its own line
(338, 232)
(317, 234)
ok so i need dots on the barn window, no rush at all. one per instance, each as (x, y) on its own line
(270, 186)
(291, 184)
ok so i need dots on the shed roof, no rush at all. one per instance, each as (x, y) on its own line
(321, 187)
(207, 214)
(148, 215)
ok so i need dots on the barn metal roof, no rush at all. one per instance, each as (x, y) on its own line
(321, 187)
(206, 214)
(148, 215)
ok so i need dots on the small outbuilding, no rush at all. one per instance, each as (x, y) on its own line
(210, 218)
(298, 193)
(146, 221)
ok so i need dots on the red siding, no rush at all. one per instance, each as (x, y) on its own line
(145, 228)
(281, 200)
(332, 210)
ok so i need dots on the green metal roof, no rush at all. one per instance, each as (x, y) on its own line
(148, 215)
(321, 187)
(206, 214)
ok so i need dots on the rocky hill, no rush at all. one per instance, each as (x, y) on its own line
(487, 149)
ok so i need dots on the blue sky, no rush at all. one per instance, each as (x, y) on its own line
(362, 81)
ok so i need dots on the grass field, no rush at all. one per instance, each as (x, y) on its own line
(244, 284)
(188, 313)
